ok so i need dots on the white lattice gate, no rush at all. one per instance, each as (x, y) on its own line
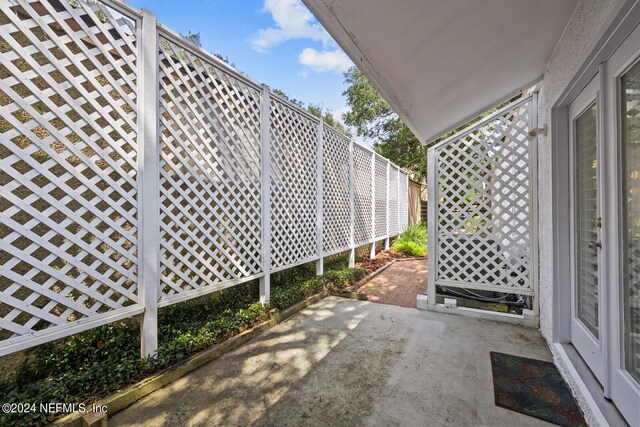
(482, 206)
(138, 170)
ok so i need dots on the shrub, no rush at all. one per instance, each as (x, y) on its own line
(410, 248)
(412, 241)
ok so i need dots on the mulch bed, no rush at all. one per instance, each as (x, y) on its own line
(382, 258)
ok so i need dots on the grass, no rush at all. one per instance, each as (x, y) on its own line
(93, 364)
(413, 241)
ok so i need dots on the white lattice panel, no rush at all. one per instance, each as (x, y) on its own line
(362, 193)
(336, 219)
(483, 201)
(68, 164)
(381, 197)
(210, 173)
(294, 138)
(393, 200)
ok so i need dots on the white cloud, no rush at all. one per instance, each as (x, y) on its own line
(293, 21)
(329, 60)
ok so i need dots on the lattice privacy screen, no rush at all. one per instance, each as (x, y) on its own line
(483, 203)
(294, 136)
(337, 215)
(381, 196)
(363, 196)
(68, 164)
(76, 105)
(210, 173)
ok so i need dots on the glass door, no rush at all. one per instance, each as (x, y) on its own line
(623, 102)
(587, 242)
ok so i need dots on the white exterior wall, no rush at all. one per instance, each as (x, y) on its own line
(581, 32)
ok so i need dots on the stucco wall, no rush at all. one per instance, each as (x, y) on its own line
(568, 55)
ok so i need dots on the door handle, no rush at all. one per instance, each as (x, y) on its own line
(593, 244)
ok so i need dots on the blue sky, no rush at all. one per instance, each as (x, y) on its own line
(277, 42)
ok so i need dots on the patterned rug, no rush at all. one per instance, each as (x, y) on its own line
(535, 388)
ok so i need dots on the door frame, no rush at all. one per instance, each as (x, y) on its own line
(621, 23)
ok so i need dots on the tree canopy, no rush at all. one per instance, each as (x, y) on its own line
(373, 118)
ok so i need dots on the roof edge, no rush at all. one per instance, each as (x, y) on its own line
(350, 46)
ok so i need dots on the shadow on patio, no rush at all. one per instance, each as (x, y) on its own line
(325, 366)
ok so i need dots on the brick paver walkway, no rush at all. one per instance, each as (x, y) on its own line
(398, 284)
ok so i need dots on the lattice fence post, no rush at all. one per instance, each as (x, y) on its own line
(406, 204)
(386, 241)
(372, 248)
(352, 209)
(319, 199)
(432, 226)
(265, 117)
(149, 184)
(398, 175)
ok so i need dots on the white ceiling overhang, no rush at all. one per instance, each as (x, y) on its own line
(440, 63)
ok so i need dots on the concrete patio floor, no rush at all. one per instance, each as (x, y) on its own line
(352, 363)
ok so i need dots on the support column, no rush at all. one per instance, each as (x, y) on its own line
(319, 201)
(265, 142)
(148, 186)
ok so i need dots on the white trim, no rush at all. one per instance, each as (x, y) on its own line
(265, 193)
(60, 331)
(319, 201)
(479, 112)
(485, 287)
(352, 209)
(569, 371)
(613, 33)
(432, 232)
(588, 345)
(204, 290)
(533, 207)
(466, 131)
(524, 320)
(184, 43)
(295, 264)
(148, 185)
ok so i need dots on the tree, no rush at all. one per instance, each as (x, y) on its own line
(294, 101)
(195, 39)
(317, 110)
(327, 115)
(373, 118)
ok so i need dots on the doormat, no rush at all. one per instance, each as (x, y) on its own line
(534, 388)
